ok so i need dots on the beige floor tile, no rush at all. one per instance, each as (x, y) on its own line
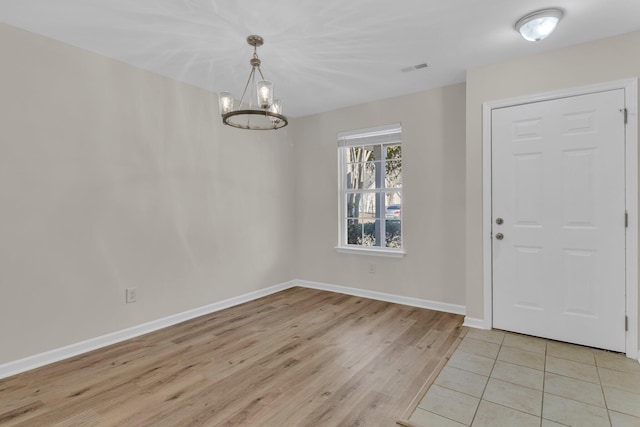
(547, 423)
(492, 335)
(572, 413)
(621, 380)
(516, 374)
(623, 420)
(569, 368)
(424, 418)
(514, 396)
(573, 352)
(450, 404)
(523, 342)
(622, 401)
(521, 357)
(492, 415)
(617, 362)
(479, 347)
(463, 381)
(471, 362)
(582, 391)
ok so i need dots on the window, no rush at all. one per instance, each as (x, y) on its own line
(371, 189)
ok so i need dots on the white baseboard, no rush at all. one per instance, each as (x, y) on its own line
(397, 299)
(38, 360)
(472, 322)
(48, 357)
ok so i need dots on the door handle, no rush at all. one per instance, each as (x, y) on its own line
(499, 236)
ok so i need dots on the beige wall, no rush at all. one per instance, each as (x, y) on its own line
(114, 177)
(595, 62)
(433, 197)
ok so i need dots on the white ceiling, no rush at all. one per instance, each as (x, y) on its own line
(320, 54)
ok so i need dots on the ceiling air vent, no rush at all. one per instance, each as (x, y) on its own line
(415, 67)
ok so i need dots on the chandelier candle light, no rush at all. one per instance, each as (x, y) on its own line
(268, 112)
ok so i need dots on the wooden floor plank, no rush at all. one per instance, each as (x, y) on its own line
(300, 357)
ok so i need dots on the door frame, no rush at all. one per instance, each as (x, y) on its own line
(630, 87)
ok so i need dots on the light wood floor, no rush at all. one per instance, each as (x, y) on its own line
(296, 358)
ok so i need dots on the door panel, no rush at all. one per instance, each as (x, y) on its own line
(558, 181)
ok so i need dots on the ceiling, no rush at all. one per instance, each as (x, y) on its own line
(321, 55)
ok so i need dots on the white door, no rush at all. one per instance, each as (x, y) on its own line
(558, 186)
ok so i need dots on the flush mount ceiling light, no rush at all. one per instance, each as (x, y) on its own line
(268, 111)
(538, 25)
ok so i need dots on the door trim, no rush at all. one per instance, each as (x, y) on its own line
(630, 87)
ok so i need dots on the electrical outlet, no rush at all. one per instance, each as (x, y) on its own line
(372, 268)
(131, 294)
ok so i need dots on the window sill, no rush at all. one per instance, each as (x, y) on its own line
(391, 253)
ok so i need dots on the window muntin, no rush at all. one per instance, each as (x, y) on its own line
(371, 189)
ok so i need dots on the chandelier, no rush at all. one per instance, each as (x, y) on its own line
(267, 114)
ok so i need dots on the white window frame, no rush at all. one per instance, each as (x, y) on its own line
(387, 134)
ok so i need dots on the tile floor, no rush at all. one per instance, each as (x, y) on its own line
(503, 379)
